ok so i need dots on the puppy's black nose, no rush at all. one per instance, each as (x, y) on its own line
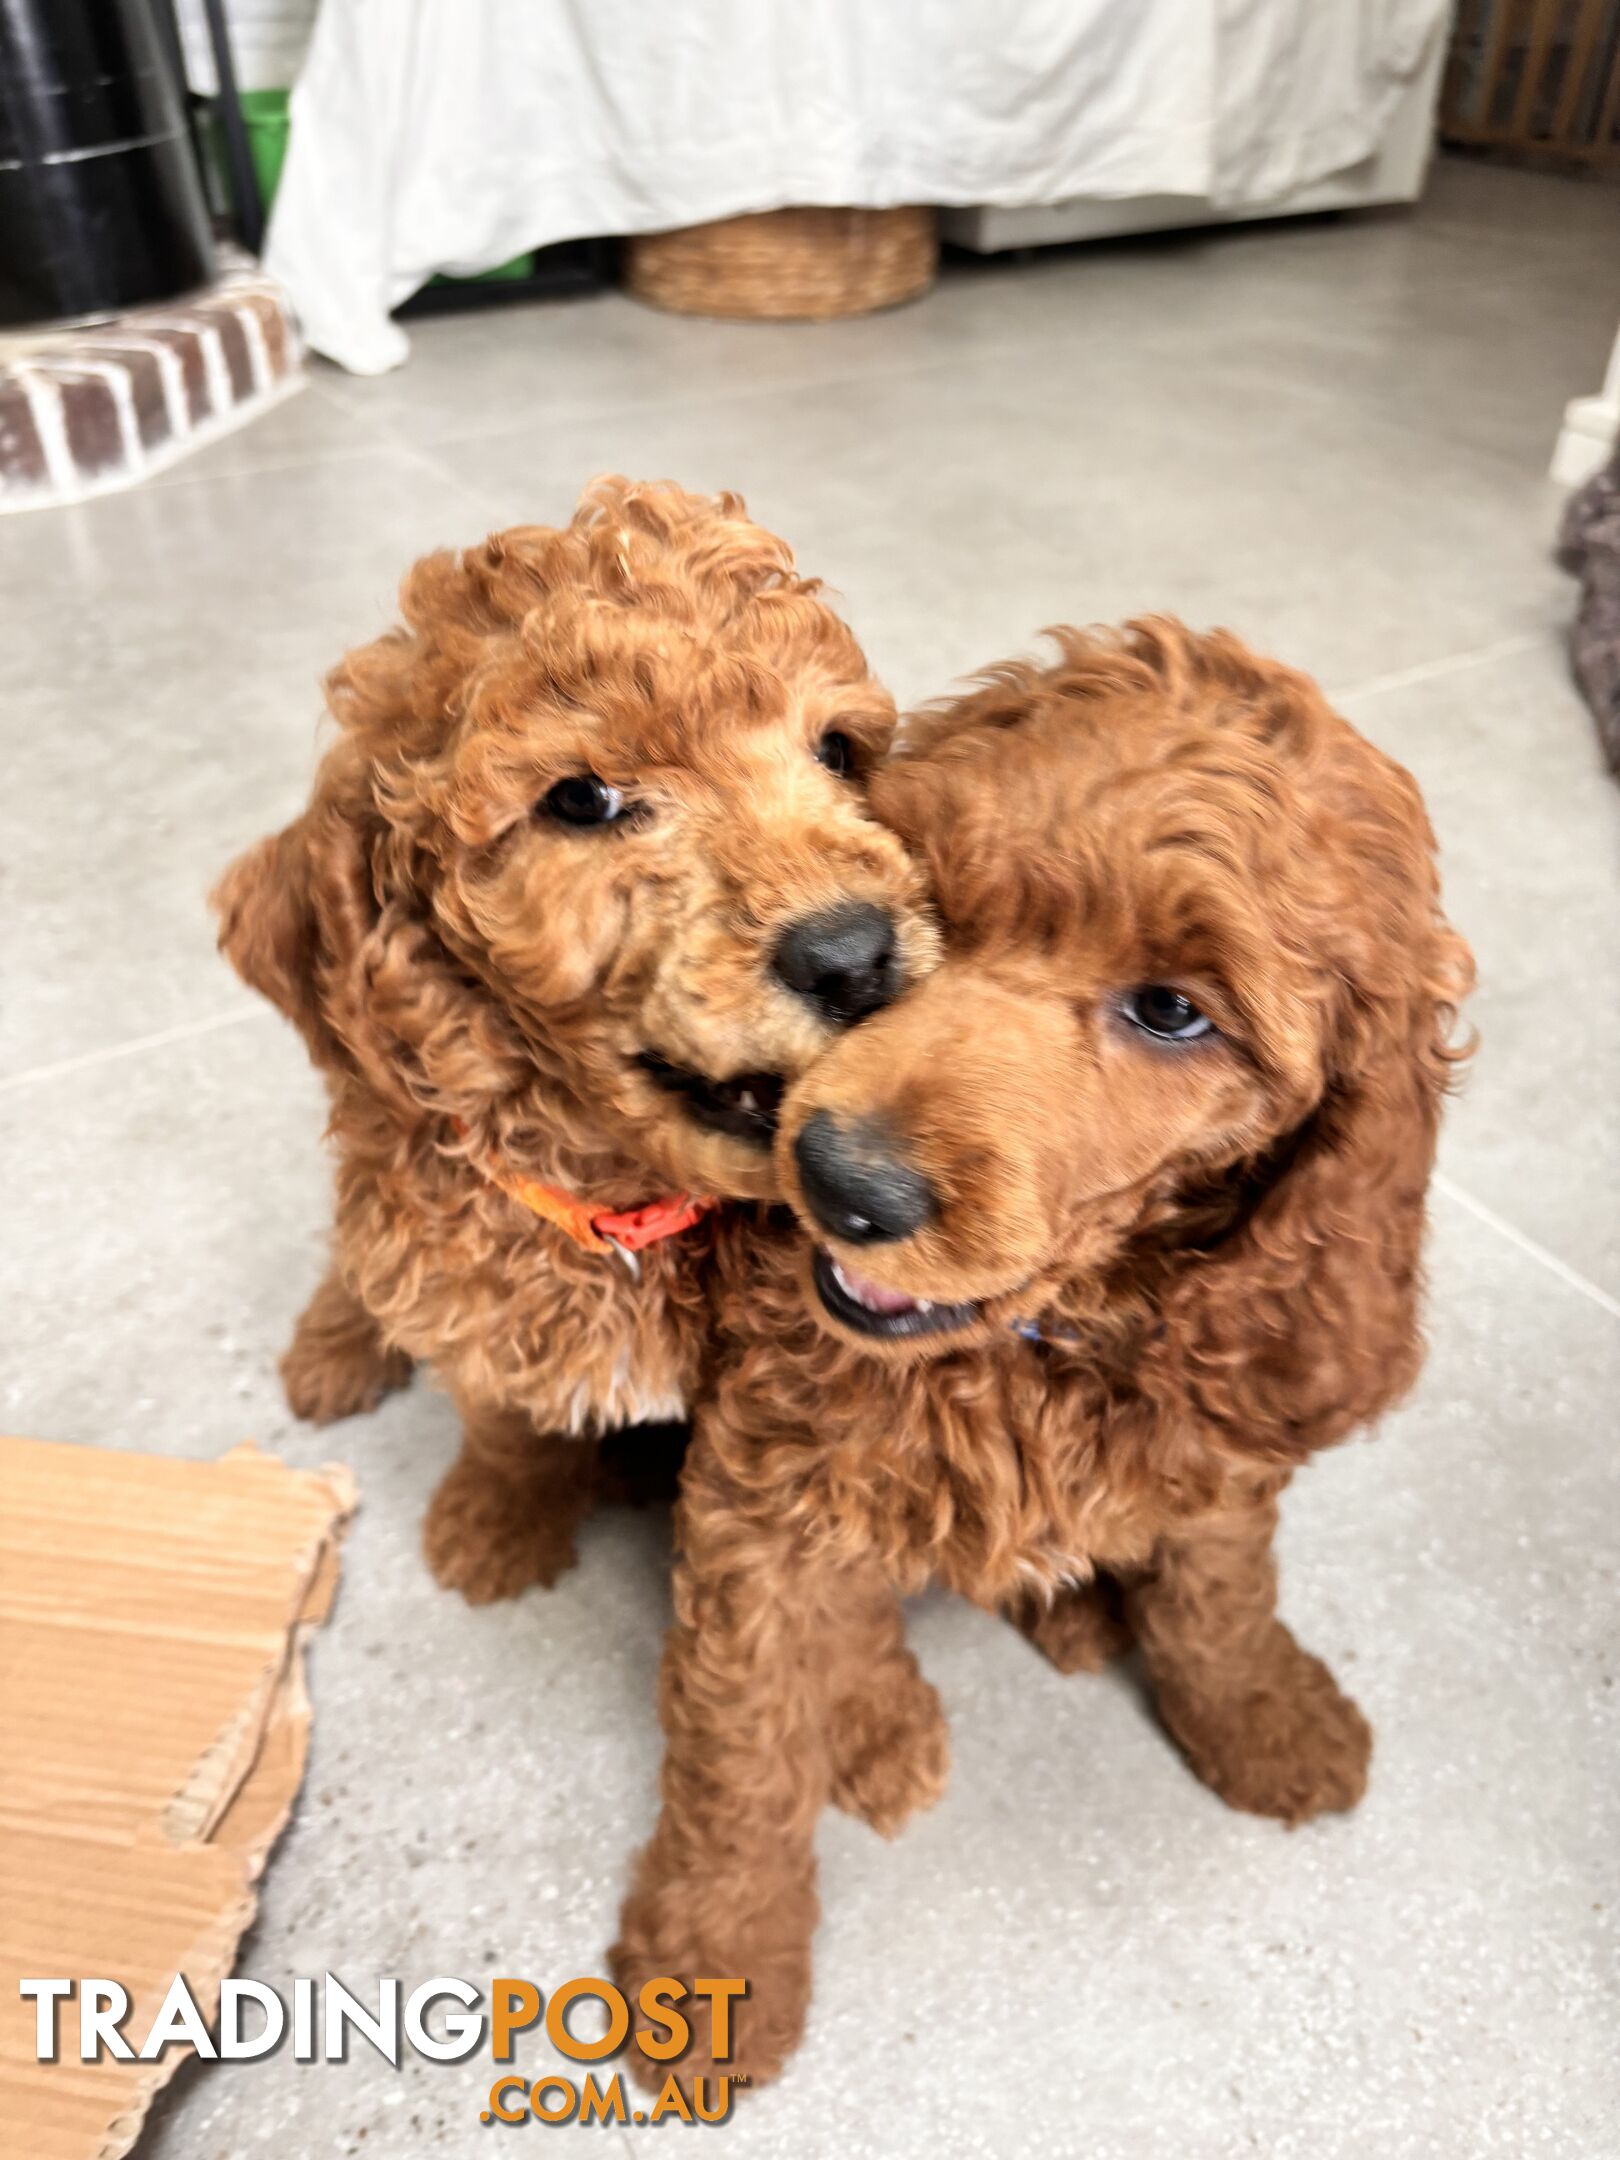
(856, 1186)
(843, 962)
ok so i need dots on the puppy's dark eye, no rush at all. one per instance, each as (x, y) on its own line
(837, 752)
(582, 799)
(1164, 1013)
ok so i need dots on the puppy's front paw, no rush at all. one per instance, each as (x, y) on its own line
(891, 1748)
(490, 1537)
(1285, 1742)
(679, 1930)
(338, 1366)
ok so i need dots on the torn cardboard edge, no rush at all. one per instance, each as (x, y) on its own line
(154, 1619)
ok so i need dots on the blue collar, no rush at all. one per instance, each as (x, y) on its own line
(1032, 1331)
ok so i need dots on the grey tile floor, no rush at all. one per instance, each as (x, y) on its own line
(1330, 436)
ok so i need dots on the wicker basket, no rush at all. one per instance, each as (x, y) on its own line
(786, 263)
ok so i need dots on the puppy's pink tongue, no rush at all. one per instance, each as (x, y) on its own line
(870, 1294)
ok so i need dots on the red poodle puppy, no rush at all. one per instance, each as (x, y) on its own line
(1111, 1222)
(586, 876)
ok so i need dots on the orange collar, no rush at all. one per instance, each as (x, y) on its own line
(625, 1231)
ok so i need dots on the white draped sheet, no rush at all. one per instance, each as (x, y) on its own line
(454, 134)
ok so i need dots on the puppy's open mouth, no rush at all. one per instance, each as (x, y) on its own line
(870, 1309)
(743, 1108)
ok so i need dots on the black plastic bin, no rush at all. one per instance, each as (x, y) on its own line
(101, 207)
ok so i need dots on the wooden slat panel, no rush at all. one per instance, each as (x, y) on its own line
(1496, 59)
(1531, 55)
(1544, 15)
(1583, 45)
(1603, 141)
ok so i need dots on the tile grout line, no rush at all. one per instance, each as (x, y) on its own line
(662, 405)
(188, 475)
(488, 503)
(182, 1032)
(428, 457)
(389, 437)
(1403, 678)
(1423, 671)
(1527, 1245)
(188, 1030)
(390, 432)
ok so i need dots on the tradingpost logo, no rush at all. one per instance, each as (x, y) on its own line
(443, 2020)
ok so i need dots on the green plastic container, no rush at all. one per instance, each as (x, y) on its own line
(267, 121)
(267, 118)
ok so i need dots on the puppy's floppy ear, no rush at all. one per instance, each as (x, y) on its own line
(267, 927)
(1303, 1321)
(293, 909)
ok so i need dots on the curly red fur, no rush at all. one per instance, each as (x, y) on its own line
(1219, 1245)
(479, 982)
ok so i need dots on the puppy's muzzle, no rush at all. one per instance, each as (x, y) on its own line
(857, 1185)
(844, 962)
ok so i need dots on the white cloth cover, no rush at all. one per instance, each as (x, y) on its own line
(453, 134)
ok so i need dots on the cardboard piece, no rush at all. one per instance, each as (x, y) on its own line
(153, 1729)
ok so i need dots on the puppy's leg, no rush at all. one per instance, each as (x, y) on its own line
(337, 1363)
(726, 1887)
(506, 1510)
(1080, 1628)
(1262, 1722)
(887, 1739)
